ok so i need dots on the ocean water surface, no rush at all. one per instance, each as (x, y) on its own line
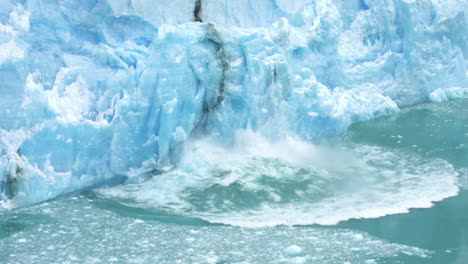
(390, 190)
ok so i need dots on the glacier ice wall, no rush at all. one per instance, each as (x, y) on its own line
(106, 91)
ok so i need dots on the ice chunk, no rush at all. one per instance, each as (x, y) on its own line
(292, 251)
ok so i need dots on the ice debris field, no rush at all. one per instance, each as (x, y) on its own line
(110, 91)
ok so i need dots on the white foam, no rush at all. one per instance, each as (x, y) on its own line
(463, 178)
(292, 183)
(7, 205)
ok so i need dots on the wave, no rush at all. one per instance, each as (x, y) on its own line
(257, 183)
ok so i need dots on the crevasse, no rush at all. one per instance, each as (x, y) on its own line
(107, 91)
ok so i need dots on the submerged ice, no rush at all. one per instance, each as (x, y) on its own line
(103, 92)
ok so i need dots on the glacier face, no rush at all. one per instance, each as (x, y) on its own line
(108, 91)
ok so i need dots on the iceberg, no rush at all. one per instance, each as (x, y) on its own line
(108, 91)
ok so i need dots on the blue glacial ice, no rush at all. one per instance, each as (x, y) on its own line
(104, 92)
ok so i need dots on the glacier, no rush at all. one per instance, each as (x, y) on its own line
(98, 92)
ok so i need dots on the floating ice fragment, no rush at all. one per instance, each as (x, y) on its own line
(292, 251)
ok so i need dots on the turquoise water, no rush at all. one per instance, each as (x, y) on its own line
(433, 131)
(391, 190)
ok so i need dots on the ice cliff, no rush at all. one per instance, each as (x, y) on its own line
(106, 91)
